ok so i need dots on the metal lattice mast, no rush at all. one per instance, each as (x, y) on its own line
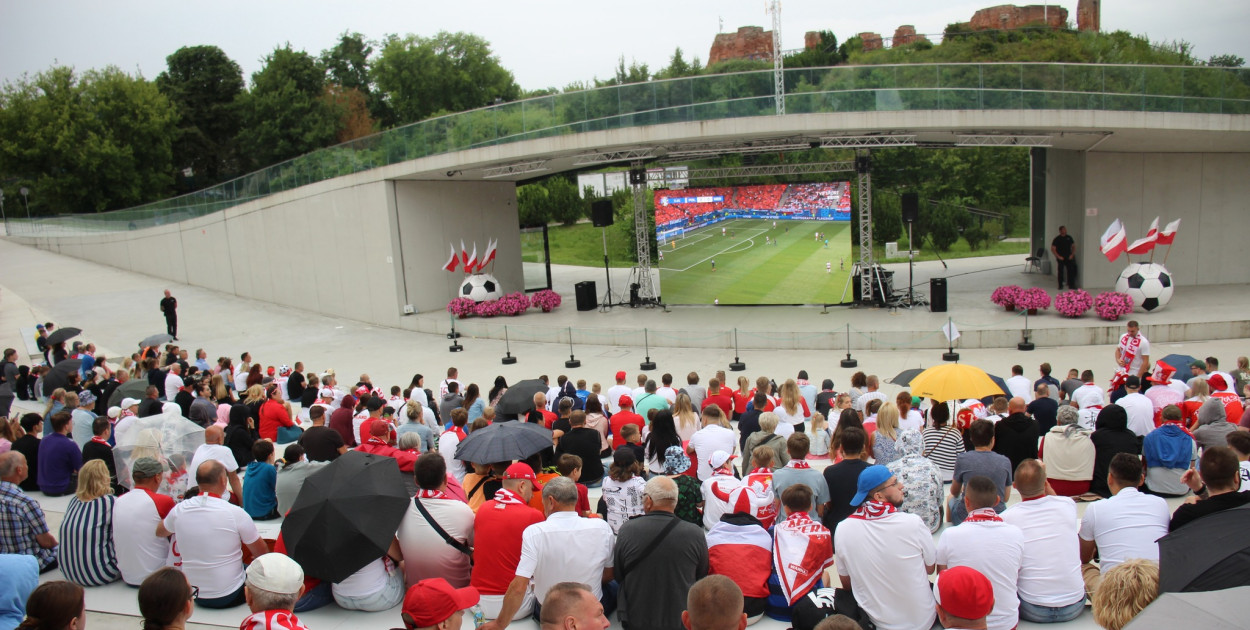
(779, 71)
(863, 167)
(642, 231)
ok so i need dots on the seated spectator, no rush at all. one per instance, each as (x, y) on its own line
(982, 461)
(767, 436)
(1111, 436)
(98, 447)
(921, 479)
(943, 441)
(993, 548)
(1213, 425)
(1050, 586)
(583, 442)
(802, 548)
(86, 554)
(689, 492)
(295, 469)
(1016, 434)
(595, 419)
(1214, 483)
(378, 443)
(632, 436)
(276, 423)
(274, 583)
(885, 438)
(165, 600)
(1068, 453)
(377, 586)
(759, 482)
(239, 434)
(434, 603)
(498, 528)
(721, 482)
(213, 448)
(842, 478)
(714, 603)
(1168, 452)
(797, 470)
(1239, 441)
(426, 552)
(28, 445)
(621, 418)
(1123, 527)
(716, 435)
(966, 598)
(623, 488)
(26, 530)
(21, 577)
(1044, 406)
(1126, 591)
(260, 497)
(740, 548)
(59, 458)
(571, 466)
(141, 552)
(447, 443)
(56, 605)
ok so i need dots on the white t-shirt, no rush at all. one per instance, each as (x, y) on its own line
(861, 403)
(426, 554)
(418, 395)
(447, 443)
(1143, 350)
(173, 383)
(442, 386)
(369, 580)
(140, 552)
(1245, 477)
(714, 507)
(996, 550)
(1088, 395)
(208, 532)
(1126, 526)
(708, 440)
(1051, 572)
(667, 393)
(637, 393)
(1019, 386)
(913, 421)
(614, 396)
(886, 560)
(240, 380)
(218, 452)
(1141, 413)
(565, 548)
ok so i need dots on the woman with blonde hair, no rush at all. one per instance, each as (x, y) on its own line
(1124, 591)
(686, 417)
(793, 409)
(741, 396)
(1199, 393)
(886, 436)
(221, 394)
(56, 402)
(818, 437)
(86, 552)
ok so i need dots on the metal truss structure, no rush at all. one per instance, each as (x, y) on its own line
(750, 171)
(516, 168)
(1002, 140)
(642, 231)
(863, 167)
(858, 142)
(703, 151)
(779, 70)
(622, 155)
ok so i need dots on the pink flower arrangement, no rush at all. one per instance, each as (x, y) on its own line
(1073, 303)
(1110, 305)
(1007, 296)
(1033, 298)
(461, 307)
(514, 303)
(547, 300)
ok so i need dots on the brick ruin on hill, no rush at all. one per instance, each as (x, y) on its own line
(750, 42)
(1089, 15)
(1010, 16)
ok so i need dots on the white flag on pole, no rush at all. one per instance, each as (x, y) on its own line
(951, 332)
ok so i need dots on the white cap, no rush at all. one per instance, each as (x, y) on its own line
(276, 573)
(127, 403)
(326, 392)
(114, 412)
(718, 459)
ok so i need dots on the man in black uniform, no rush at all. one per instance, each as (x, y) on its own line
(169, 306)
(1065, 258)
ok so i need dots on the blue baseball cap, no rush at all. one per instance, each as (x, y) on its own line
(870, 478)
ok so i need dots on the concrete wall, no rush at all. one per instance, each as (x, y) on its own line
(427, 216)
(1209, 192)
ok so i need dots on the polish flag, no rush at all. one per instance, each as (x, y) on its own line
(489, 255)
(1114, 241)
(1154, 228)
(472, 262)
(1169, 233)
(450, 265)
(464, 257)
(1144, 245)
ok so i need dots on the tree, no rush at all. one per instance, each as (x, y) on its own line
(102, 141)
(887, 217)
(285, 114)
(347, 66)
(566, 205)
(354, 120)
(204, 85)
(825, 53)
(450, 72)
(678, 67)
(943, 225)
(1226, 61)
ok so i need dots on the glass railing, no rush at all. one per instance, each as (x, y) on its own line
(975, 86)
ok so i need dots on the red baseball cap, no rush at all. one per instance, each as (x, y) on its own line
(432, 601)
(626, 401)
(521, 470)
(620, 376)
(1216, 383)
(964, 592)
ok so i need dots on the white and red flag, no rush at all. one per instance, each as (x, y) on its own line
(451, 263)
(1114, 241)
(802, 548)
(1154, 228)
(464, 257)
(472, 261)
(1169, 233)
(1143, 245)
(489, 255)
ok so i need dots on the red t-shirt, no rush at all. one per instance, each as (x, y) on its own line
(548, 417)
(619, 420)
(583, 499)
(723, 400)
(273, 415)
(497, 531)
(164, 503)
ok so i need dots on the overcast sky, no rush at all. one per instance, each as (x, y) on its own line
(545, 43)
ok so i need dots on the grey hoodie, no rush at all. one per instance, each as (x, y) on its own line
(1213, 424)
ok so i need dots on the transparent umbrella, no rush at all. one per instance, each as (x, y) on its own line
(170, 439)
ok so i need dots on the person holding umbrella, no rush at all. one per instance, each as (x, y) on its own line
(169, 306)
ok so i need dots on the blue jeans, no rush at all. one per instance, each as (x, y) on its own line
(321, 595)
(1049, 614)
(227, 601)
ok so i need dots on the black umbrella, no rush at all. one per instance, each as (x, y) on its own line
(134, 388)
(345, 515)
(903, 379)
(63, 334)
(58, 376)
(1217, 610)
(503, 442)
(1208, 554)
(1182, 363)
(156, 340)
(519, 399)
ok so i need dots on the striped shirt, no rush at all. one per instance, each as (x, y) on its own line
(942, 447)
(86, 552)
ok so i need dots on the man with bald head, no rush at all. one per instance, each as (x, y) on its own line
(1050, 585)
(214, 448)
(714, 603)
(25, 531)
(1015, 436)
(571, 606)
(212, 559)
(657, 558)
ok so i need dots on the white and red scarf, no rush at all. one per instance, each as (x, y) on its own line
(273, 620)
(504, 498)
(458, 431)
(1128, 353)
(983, 515)
(871, 510)
(802, 549)
(799, 464)
(432, 494)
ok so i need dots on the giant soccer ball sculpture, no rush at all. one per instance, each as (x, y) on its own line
(480, 287)
(1149, 284)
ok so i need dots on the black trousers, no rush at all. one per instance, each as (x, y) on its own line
(1067, 268)
(171, 325)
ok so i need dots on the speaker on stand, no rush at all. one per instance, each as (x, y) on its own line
(601, 217)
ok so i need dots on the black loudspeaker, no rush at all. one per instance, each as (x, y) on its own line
(911, 207)
(637, 176)
(601, 213)
(937, 295)
(587, 296)
(882, 280)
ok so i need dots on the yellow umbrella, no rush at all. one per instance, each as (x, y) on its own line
(954, 381)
